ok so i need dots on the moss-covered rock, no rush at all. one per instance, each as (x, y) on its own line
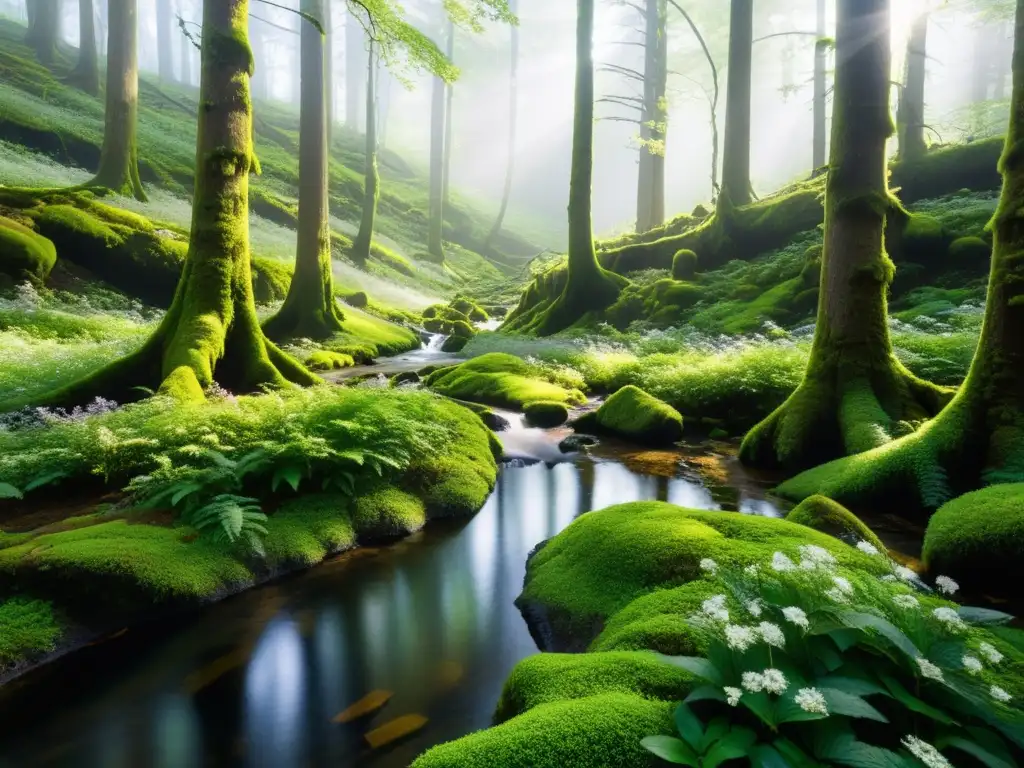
(473, 311)
(970, 253)
(387, 513)
(635, 415)
(503, 381)
(684, 264)
(978, 538)
(358, 299)
(545, 413)
(454, 344)
(270, 279)
(24, 255)
(823, 514)
(326, 360)
(462, 329)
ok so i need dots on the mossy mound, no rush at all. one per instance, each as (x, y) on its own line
(387, 513)
(24, 255)
(454, 344)
(473, 311)
(545, 413)
(971, 253)
(684, 264)
(503, 381)
(823, 514)
(978, 538)
(304, 531)
(325, 360)
(662, 303)
(637, 416)
(358, 299)
(28, 629)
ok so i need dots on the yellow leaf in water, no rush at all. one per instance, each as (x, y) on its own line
(214, 670)
(371, 702)
(395, 729)
(449, 673)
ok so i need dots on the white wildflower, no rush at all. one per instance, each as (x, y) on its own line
(926, 753)
(811, 700)
(754, 608)
(753, 682)
(796, 616)
(905, 574)
(772, 634)
(739, 638)
(751, 570)
(708, 565)
(813, 557)
(972, 664)
(950, 618)
(714, 607)
(999, 694)
(929, 670)
(867, 548)
(889, 578)
(732, 696)
(781, 563)
(836, 594)
(774, 681)
(906, 601)
(946, 585)
(990, 653)
(843, 585)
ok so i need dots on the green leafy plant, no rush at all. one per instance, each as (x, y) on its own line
(808, 666)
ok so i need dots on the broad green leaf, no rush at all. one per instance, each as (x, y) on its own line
(8, 491)
(702, 668)
(763, 756)
(914, 704)
(671, 750)
(689, 726)
(760, 705)
(842, 703)
(788, 711)
(835, 742)
(885, 628)
(733, 745)
(706, 693)
(853, 685)
(716, 729)
(47, 478)
(793, 754)
(983, 616)
(291, 475)
(975, 750)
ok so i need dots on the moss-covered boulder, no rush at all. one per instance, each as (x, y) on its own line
(684, 264)
(326, 360)
(503, 381)
(358, 299)
(387, 513)
(473, 311)
(970, 253)
(24, 254)
(545, 413)
(978, 538)
(634, 415)
(454, 344)
(823, 514)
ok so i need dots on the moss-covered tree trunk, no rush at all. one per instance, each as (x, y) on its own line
(43, 29)
(588, 287)
(86, 74)
(736, 152)
(650, 198)
(979, 438)
(513, 119)
(855, 392)
(364, 238)
(435, 214)
(449, 122)
(165, 56)
(820, 137)
(910, 115)
(310, 309)
(119, 157)
(211, 333)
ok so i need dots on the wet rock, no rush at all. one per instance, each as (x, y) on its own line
(576, 443)
(405, 377)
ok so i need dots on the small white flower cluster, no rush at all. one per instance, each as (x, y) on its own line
(781, 563)
(908, 602)
(709, 566)
(925, 752)
(754, 608)
(714, 608)
(868, 548)
(946, 585)
(990, 653)
(972, 664)
(772, 634)
(796, 616)
(1000, 695)
(739, 638)
(929, 670)
(769, 681)
(815, 558)
(811, 700)
(733, 695)
(950, 618)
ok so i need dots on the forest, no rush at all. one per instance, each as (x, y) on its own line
(511, 383)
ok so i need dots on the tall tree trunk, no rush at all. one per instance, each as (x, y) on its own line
(855, 391)
(44, 29)
(435, 223)
(979, 438)
(645, 167)
(910, 115)
(185, 48)
(736, 154)
(588, 287)
(101, 25)
(355, 38)
(364, 239)
(329, 70)
(513, 114)
(296, 70)
(211, 333)
(659, 131)
(310, 309)
(165, 54)
(449, 121)
(821, 46)
(119, 158)
(86, 74)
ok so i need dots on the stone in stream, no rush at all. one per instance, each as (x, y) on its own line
(576, 443)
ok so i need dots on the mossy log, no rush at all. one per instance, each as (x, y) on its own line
(24, 254)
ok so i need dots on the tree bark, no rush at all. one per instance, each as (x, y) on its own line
(329, 70)
(310, 309)
(855, 392)
(448, 120)
(211, 333)
(513, 115)
(736, 154)
(979, 438)
(364, 238)
(165, 54)
(910, 115)
(645, 167)
(819, 142)
(86, 74)
(435, 224)
(355, 38)
(185, 48)
(659, 131)
(44, 29)
(119, 157)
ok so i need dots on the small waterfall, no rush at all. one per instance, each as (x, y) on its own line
(433, 344)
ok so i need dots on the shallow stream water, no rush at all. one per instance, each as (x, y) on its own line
(257, 679)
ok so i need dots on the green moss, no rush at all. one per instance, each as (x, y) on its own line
(684, 264)
(635, 415)
(270, 279)
(365, 336)
(473, 311)
(594, 732)
(462, 329)
(325, 360)
(978, 538)
(454, 344)
(358, 299)
(305, 530)
(970, 252)
(503, 381)
(823, 514)
(387, 512)
(27, 628)
(24, 255)
(550, 677)
(544, 413)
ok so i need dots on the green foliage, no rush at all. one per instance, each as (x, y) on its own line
(684, 265)
(823, 514)
(387, 512)
(24, 255)
(635, 415)
(792, 670)
(504, 381)
(27, 628)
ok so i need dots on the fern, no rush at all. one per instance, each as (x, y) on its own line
(932, 481)
(231, 519)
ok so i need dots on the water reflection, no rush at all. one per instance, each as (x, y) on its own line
(427, 626)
